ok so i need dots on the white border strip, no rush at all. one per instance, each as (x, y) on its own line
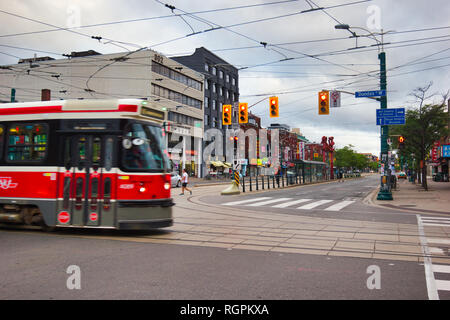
(429, 275)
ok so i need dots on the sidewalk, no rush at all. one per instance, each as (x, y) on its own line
(413, 197)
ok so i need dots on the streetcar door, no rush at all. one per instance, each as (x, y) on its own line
(86, 184)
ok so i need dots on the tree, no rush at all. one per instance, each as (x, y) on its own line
(423, 126)
(348, 158)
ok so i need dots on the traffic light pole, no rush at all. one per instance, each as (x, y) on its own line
(385, 191)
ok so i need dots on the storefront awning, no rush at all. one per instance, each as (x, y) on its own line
(217, 163)
(227, 165)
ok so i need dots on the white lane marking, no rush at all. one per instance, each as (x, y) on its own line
(429, 275)
(314, 204)
(290, 203)
(441, 268)
(439, 240)
(339, 206)
(268, 202)
(435, 218)
(443, 285)
(246, 201)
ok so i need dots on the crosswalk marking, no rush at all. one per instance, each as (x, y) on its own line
(246, 201)
(443, 285)
(314, 204)
(438, 241)
(436, 225)
(433, 271)
(440, 268)
(290, 203)
(339, 206)
(268, 202)
(436, 221)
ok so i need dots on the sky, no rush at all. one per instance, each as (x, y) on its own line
(287, 48)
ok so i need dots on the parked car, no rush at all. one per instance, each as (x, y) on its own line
(175, 179)
(401, 175)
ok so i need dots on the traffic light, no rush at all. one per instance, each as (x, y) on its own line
(243, 112)
(401, 142)
(274, 111)
(226, 114)
(324, 102)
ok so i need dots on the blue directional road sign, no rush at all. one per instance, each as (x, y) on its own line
(369, 94)
(386, 117)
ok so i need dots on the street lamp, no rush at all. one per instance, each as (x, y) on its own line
(385, 192)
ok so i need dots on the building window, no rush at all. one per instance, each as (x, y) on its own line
(206, 102)
(175, 75)
(206, 120)
(214, 122)
(233, 81)
(220, 91)
(175, 96)
(220, 74)
(227, 78)
(214, 88)
(214, 104)
(206, 84)
(214, 70)
(206, 67)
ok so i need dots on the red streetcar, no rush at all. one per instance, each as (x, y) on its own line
(84, 164)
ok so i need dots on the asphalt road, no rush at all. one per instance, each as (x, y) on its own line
(353, 191)
(204, 256)
(34, 266)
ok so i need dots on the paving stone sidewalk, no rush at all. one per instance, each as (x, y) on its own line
(413, 197)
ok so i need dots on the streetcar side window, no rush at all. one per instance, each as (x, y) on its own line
(27, 142)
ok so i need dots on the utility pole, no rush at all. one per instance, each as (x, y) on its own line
(385, 192)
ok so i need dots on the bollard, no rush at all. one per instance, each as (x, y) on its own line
(268, 182)
(273, 182)
(257, 187)
(243, 184)
(262, 182)
(282, 181)
(251, 189)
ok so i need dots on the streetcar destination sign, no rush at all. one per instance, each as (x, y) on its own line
(368, 94)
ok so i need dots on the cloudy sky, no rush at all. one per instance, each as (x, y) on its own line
(286, 48)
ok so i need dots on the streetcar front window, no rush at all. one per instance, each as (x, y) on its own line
(143, 148)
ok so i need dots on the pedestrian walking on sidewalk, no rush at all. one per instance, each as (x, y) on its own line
(340, 175)
(184, 182)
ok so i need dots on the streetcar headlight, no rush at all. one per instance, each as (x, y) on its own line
(167, 186)
(142, 189)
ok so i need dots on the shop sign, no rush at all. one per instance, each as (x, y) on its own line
(446, 151)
